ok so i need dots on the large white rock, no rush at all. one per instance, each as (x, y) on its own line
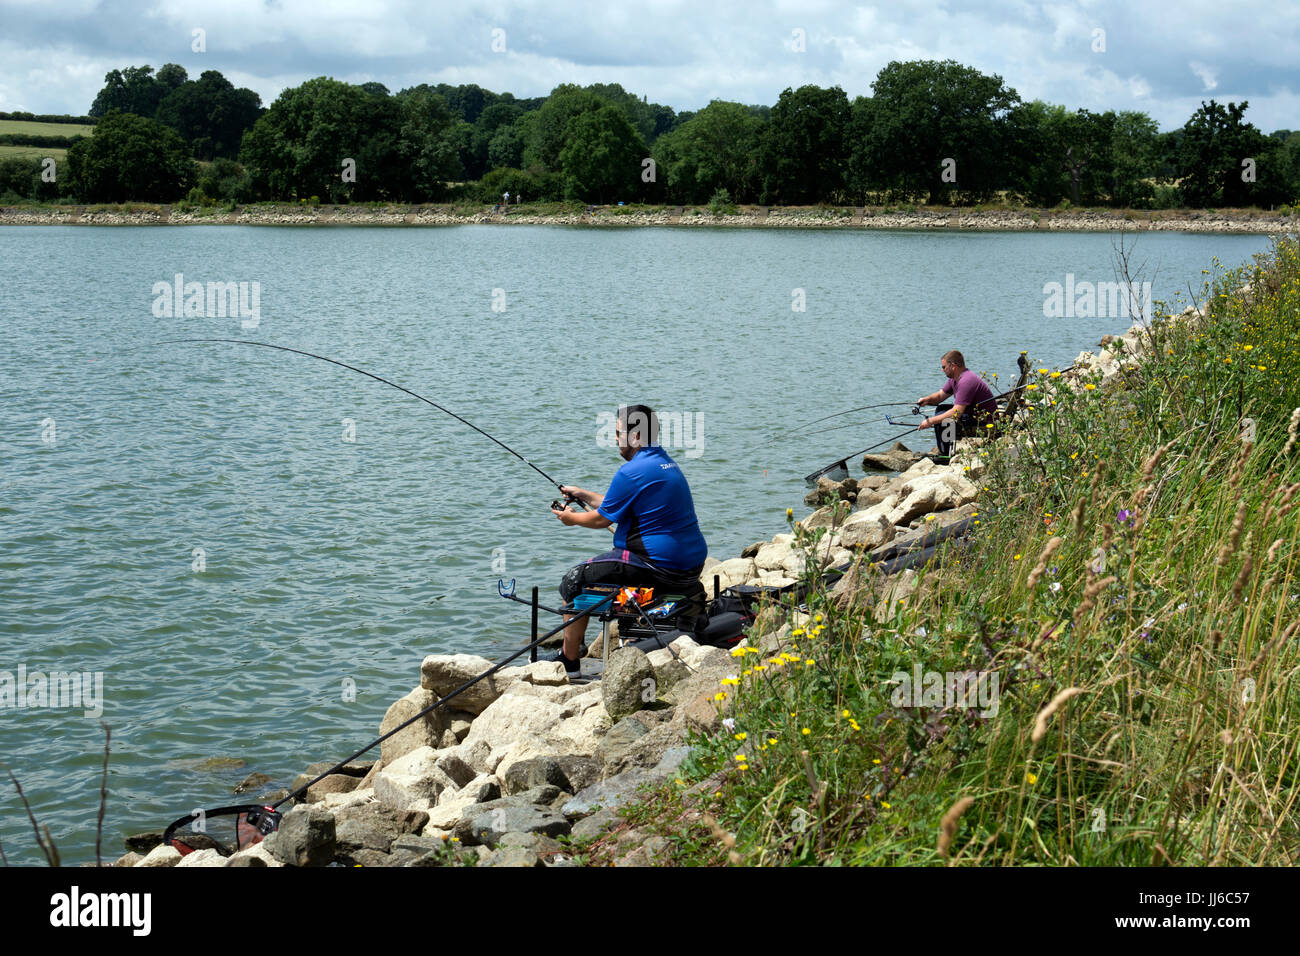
(777, 556)
(512, 716)
(431, 730)
(411, 778)
(337, 801)
(443, 673)
(161, 855)
(207, 857)
(259, 851)
(733, 572)
(870, 532)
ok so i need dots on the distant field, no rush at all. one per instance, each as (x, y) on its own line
(33, 152)
(44, 129)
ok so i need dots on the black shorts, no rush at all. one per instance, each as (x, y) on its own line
(627, 569)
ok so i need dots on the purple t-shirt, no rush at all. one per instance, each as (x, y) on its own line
(971, 391)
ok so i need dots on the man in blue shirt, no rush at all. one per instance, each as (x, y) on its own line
(657, 541)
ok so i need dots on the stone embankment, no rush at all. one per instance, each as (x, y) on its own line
(759, 217)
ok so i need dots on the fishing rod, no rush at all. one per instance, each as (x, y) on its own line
(377, 378)
(864, 408)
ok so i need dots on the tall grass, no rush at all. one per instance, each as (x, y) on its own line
(1134, 590)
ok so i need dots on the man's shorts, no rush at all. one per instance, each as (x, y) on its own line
(627, 569)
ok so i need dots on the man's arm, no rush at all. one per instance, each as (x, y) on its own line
(583, 519)
(955, 412)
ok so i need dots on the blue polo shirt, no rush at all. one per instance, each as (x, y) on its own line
(651, 504)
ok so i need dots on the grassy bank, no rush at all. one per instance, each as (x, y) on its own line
(1133, 593)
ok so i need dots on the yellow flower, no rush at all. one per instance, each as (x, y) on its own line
(845, 713)
(877, 760)
(885, 805)
(759, 667)
(719, 696)
(1056, 375)
(742, 735)
(1031, 387)
(1042, 371)
(1017, 557)
(805, 731)
(1032, 778)
(809, 662)
(854, 724)
(729, 681)
(789, 512)
(771, 741)
(797, 632)
(817, 619)
(741, 758)
(1090, 387)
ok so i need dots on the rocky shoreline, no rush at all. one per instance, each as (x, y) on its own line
(759, 217)
(529, 769)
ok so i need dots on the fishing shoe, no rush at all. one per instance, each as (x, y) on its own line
(571, 667)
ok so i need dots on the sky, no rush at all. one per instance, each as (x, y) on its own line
(1161, 57)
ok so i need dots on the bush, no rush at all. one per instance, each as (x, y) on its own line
(720, 204)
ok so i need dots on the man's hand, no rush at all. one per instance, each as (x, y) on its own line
(924, 425)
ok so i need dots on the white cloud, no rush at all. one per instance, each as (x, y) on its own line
(1208, 75)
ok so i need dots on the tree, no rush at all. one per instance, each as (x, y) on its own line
(932, 118)
(601, 159)
(1210, 156)
(715, 149)
(136, 89)
(1134, 159)
(804, 152)
(545, 131)
(129, 158)
(211, 114)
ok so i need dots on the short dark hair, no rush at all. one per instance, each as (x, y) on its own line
(636, 419)
(955, 358)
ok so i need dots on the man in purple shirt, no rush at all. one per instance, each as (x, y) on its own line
(972, 406)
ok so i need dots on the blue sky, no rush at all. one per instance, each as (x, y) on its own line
(1160, 57)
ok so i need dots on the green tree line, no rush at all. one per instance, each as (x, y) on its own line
(936, 132)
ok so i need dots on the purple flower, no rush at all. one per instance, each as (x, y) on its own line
(1125, 515)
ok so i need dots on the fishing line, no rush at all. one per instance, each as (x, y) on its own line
(377, 378)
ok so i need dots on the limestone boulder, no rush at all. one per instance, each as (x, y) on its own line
(431, 730)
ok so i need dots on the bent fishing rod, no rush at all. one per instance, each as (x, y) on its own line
(377, 378)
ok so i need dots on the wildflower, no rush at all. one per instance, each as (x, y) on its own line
(789, 513)
(797, 632)
(741, 736)
(771, 741)
(1054, 586)
(876, 761)
(1090, 387)
(805, 731)
(845, 713)
(1032, 778)
(1042, 371)
(854, 724)
(1056, 375)
(1031, 387)
(741, 758)
(885, 805)
(737, 652)
(809, 662)
(719, 696)
(1124, 515)
(730, 681)
(729, 723)
(1017, 557)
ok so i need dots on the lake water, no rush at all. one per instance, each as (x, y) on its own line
(193, 522)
